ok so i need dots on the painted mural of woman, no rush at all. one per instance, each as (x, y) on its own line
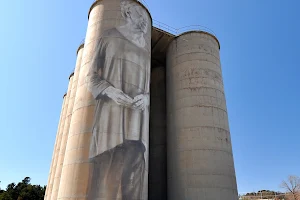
(118, 79)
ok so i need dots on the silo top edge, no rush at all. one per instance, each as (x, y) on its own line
(80, 47)
(71, 75)
(97, 1)
(163, 31)
(204, 32)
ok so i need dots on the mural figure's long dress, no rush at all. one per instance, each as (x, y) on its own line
(119, 63)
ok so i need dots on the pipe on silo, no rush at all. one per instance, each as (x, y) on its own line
(103, 15)
(200, 159)
(157, 136)
(61, 151)
(48, 191)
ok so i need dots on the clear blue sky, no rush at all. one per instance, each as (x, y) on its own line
(260, 49)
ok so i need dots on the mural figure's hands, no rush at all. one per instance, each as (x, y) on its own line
(118, 96)
(141, 101)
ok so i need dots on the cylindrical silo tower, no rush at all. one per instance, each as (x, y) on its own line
(72, 91)
(109, 50)
(61, 152)
(57, 148)
(158, 136)
(54, 151)
(70, 109)
(200, 160)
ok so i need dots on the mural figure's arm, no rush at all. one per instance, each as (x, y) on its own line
(118, 96)
(95, 84)
(141, 101)
(100, 87)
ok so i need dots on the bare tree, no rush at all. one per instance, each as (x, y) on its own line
(292, 187)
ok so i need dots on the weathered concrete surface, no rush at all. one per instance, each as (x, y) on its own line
(75, 172)
(58, 145)
(158, 151)
(103, 15)
(74, 79)
(61, 152)
(53, 162)
(200, 160)
(69, 119)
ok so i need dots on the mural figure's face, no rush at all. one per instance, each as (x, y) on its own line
(138, 18)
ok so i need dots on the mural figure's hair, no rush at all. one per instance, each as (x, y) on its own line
(125, 5)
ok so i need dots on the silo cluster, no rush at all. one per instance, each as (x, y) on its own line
(144, 116)
(54, 182)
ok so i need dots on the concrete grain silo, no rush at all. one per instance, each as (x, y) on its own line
(71, 110)
(107, 147)
(103, 15)
(57, 147)
(53, 162)
(72, 91)
(158, 127)
(61, 153)
(157, 136)
(200, 160)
